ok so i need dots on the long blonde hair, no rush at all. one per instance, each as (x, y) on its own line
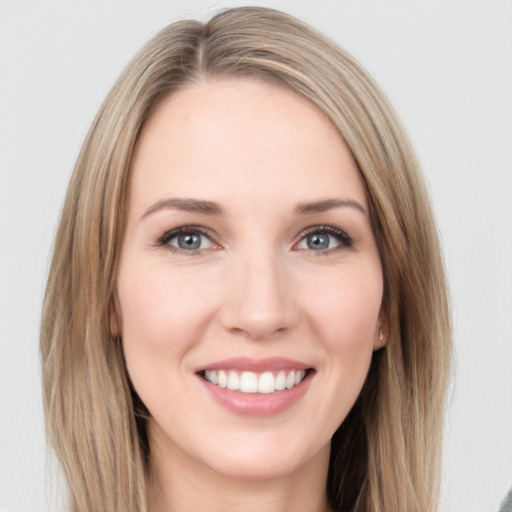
(386, 454)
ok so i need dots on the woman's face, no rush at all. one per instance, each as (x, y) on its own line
(250, 286)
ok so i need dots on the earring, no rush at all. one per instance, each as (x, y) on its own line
(381, 335)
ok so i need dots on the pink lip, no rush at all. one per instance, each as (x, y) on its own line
(256, 404)
(255, 365)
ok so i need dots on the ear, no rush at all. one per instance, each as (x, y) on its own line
(381, 332)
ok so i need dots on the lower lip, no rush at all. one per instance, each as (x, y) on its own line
(258, 404)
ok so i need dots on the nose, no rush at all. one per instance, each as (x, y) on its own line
(259, 299)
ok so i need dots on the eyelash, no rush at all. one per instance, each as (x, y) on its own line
(163, 240)
(346, 241)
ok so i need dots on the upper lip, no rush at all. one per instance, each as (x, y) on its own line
(255, 365)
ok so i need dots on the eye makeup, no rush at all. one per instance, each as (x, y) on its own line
(188, 240)
(319, 238)
(193, 239)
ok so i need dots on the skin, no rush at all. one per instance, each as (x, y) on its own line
(255, 288)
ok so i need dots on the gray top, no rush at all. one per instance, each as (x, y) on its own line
(506, 505)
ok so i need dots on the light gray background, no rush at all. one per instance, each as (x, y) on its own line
(446, 66)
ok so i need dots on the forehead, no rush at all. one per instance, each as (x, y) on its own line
(238, 136)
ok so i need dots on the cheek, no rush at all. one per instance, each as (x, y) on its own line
(344, 317)
(345, 311)
(163, 314)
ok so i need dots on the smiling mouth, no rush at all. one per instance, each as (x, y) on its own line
(252, 382)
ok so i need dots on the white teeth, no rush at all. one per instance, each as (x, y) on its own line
(266, 383)
(212, 377)
(223, 379)
(233, 381)
(280, 381)
(290, 380)
(250, 382)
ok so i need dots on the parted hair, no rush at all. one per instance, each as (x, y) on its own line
(385, 456)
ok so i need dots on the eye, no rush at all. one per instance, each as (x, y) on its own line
(192, 241)
(187, 239)
(325, 238)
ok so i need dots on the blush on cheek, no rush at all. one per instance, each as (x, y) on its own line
(352, 317)
(149, 305)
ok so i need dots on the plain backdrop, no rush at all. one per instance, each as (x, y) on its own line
(446, 65)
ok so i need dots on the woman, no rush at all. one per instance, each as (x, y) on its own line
(246, 308)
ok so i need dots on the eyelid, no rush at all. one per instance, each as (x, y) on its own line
(345, 240)
(163, 239)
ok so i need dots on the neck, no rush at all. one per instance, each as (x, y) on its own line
(182, 484)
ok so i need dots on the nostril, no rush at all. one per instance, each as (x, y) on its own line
(259, 303)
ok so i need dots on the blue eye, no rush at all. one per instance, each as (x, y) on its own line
(318, 241)
(189, 241)
(186, 239)
(324, 238)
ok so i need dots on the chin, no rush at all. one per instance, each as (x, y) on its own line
(255, 460)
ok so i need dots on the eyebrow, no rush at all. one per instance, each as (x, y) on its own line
(211, 208)
(186, 205)
(327, 204)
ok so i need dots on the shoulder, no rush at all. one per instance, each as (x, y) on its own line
(506, 505)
